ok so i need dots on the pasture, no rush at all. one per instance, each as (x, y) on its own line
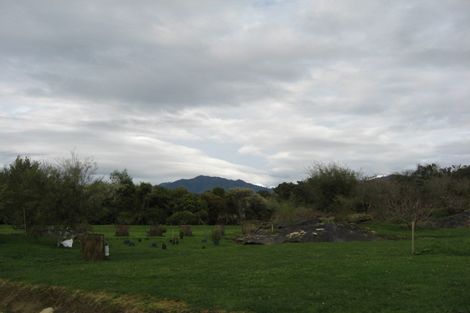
(377, 276)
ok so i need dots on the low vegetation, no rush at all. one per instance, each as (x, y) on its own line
(27, 298)
(375, 276)
(34, 196)
(203, 267)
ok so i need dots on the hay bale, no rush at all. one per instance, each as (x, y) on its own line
(92, 247)
(122, 230)
(186, 230)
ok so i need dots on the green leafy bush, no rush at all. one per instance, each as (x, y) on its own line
(358, 218)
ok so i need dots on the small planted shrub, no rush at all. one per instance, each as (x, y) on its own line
(186, 230)
(122, 230)
(181, 234)
(220, 228)
(157, 230)
(216, 236)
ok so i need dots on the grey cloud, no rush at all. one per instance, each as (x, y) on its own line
(250, 89)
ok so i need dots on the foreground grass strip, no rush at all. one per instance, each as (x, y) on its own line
(354, 277)
(28, 298)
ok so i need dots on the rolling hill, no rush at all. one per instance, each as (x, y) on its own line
(202, 183)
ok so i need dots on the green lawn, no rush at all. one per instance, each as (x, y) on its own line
(379, 276)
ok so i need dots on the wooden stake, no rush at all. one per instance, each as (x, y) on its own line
(413, 237)
(24, 220)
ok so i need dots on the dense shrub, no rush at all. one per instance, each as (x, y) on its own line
(202, 217)
(248, 205)
(358, 218)
(287, 212)
(183, 217)
(327, 183)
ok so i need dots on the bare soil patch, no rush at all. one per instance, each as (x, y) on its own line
(307, 231)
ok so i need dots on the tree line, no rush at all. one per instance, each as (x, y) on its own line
(408, 197)
(69, 193)
(36, 194)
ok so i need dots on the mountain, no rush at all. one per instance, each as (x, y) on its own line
(201, 183)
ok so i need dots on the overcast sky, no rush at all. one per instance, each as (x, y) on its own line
(256, 90)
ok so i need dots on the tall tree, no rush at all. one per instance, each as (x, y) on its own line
(408, 200)
(123, 196)
(71, 180)
(25, 182)
(327, 183)
(216, 205)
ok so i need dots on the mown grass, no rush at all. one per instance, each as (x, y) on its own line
(378, 276)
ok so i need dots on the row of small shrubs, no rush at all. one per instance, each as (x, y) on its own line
(155, 230)
(159, 230)
(184, 230)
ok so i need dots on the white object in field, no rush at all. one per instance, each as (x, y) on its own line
(106, 250)
(47, 310)
(67, 243)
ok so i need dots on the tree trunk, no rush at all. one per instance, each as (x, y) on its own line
(413, 223)
(24, 221)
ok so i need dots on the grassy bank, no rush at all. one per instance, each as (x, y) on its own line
(379, 276)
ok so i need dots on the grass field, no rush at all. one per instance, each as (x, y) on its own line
(379, 276)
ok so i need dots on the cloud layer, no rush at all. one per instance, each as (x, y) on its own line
(257, 90)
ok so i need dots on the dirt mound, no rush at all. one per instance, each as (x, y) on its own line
(307, 231)
(25, 298)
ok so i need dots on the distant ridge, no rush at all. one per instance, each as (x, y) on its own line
(202, 183)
